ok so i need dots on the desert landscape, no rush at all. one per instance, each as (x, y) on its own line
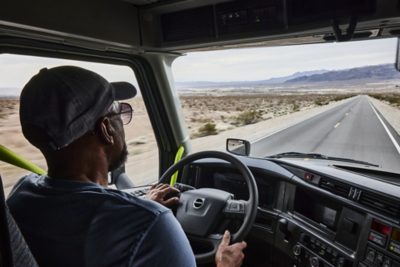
(210, 116)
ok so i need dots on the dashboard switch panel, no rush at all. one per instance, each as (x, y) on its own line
(310, 251)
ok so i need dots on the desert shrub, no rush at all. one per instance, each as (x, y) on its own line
(296, 106)
(393, 99)
(320, 102)
(341, 97)
(248, 117)
(207, 129)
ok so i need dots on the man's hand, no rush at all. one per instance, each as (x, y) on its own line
(229, 255)
(162, 193)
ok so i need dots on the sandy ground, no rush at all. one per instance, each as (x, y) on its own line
(273, 113)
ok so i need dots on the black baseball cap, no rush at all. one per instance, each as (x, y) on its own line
(65, 103)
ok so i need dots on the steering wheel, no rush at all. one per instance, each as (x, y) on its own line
(200, 210)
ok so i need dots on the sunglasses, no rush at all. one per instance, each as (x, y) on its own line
(124, 110)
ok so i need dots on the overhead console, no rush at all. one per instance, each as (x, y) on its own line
(315, 10)
(259, 20)
(217, 21)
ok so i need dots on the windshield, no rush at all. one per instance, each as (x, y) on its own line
(340, 100)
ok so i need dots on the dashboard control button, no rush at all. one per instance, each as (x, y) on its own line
(370, 255)
(314, 262)
(394, 247)
(377, 238)
(379, 258)
(387, 262)
(341, 262)
(297, 250)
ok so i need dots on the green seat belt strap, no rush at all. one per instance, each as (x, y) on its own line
(9, 156)
(178, 157)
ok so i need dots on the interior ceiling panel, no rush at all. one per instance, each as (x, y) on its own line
(147, 2)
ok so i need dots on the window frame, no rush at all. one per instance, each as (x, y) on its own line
(145, 76)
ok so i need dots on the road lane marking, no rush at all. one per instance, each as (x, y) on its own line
(299, 122)
(396, 145)
(337, 125)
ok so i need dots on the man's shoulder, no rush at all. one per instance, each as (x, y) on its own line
(56, 190)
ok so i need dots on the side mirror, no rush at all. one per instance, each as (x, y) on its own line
(238, 146)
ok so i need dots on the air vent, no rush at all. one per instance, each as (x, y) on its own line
(335, 187)
(380, 203)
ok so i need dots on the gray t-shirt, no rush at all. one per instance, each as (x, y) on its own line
(68, 223)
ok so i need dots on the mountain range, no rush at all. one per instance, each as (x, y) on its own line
(351, 76)
(375, 73)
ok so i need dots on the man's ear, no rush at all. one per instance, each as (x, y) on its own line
(106, 131)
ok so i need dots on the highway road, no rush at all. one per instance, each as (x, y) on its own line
(354, 129)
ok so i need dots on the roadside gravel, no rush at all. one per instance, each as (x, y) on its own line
(390, 113)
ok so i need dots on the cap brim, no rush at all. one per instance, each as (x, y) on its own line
(123, 90)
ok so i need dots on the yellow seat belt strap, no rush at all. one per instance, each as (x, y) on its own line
(178, 157)
(9, 156)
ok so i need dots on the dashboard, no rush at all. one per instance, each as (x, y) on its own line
(314, 212)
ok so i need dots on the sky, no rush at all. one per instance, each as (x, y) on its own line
(265, 63)
(16, 70)
(225, 65)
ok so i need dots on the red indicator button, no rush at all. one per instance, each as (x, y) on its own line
(308, 176)
(380, 227)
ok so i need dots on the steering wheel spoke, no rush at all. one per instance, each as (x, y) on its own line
(235, 209)
(212, 241)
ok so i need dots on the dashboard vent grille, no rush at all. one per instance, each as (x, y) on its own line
(380, 203)
(335, 187)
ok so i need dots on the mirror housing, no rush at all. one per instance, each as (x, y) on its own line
(238, 146)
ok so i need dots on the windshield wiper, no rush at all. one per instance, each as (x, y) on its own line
(317, 156)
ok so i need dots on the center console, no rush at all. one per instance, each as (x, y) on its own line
(318, 231)
(383, 246)
(323, 232)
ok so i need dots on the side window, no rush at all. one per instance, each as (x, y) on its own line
(15, 72)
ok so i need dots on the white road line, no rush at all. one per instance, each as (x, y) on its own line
(336, 125)
(396, 145)
(299, 122)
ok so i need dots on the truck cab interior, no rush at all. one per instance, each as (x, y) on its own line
(293, 209)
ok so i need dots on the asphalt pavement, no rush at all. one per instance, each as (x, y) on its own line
(354, 129)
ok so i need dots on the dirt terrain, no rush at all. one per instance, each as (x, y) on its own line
(209, 116)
